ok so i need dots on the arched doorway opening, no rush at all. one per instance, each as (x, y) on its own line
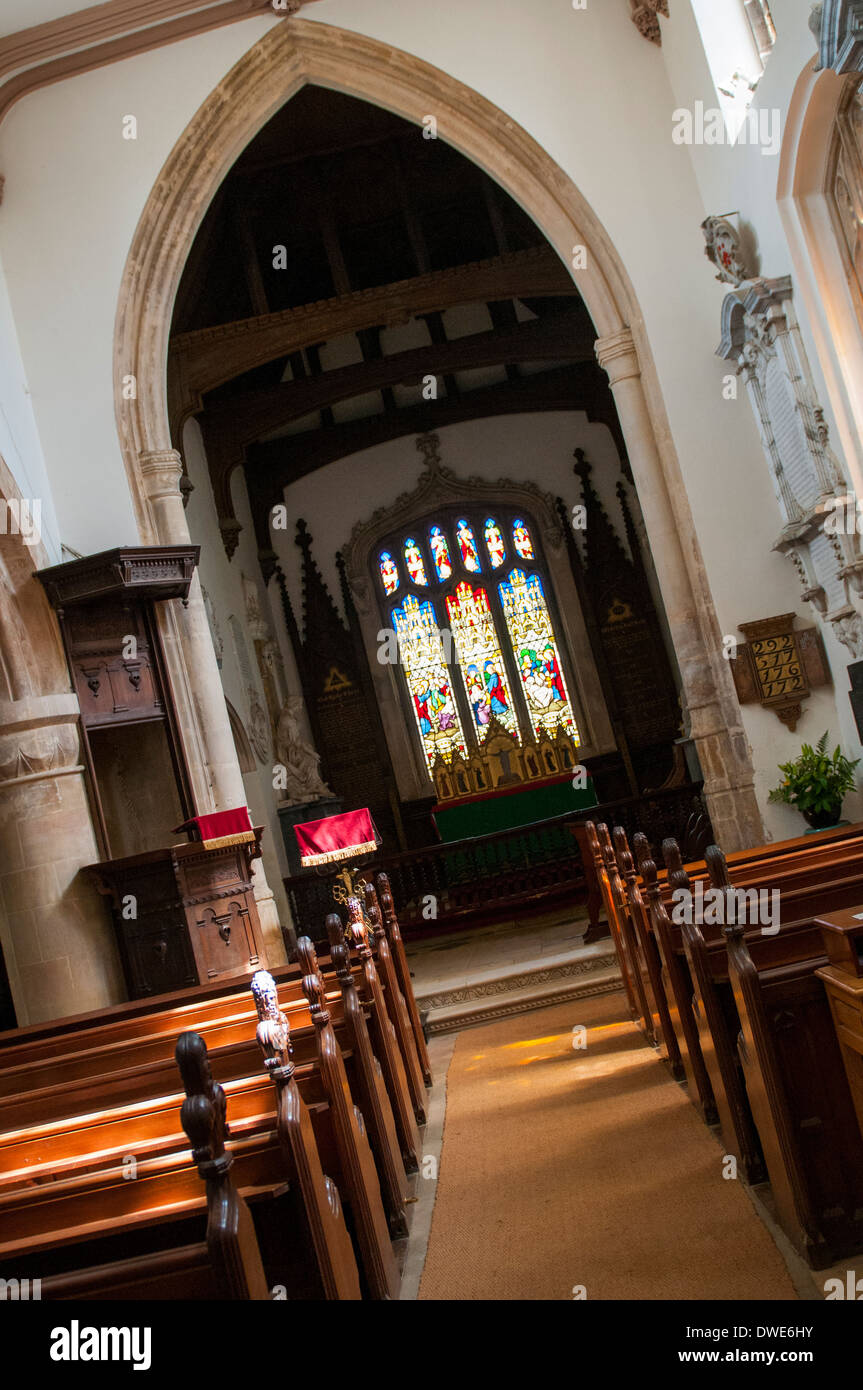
(298, 53)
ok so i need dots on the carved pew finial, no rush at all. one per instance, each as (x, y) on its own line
(623, 854)
(340, 954)
(593, 839)
(357, 931)
(273, 1032)
(312, 983)
(641, 846)
(648, 872)
(231, 1240)
(373, 910)
(204, 1111)
(717, 867)
(605, 845)
(677, 875)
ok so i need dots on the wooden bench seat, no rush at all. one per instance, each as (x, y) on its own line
(82, 1147)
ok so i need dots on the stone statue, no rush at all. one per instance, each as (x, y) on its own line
(299, 759)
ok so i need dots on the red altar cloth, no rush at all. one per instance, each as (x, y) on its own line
(336, 837)
(220, 828)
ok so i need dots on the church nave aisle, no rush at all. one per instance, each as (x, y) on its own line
(567, 1166)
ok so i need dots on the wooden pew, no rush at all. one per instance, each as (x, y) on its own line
(321, 1206)
(227, 1264)
(679, 987)
(627, 971)
(716, 1021)
(397, 950)
(647, 1014)
(648, 956)
(372, 1095)
(797, 1087)
(808, 880)
(385, 1040)
(395, 1002)
(74, 1196)
(361, 1184)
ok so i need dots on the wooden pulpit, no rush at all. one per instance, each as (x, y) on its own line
(184, 914)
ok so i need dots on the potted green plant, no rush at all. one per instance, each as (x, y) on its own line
(816, 783)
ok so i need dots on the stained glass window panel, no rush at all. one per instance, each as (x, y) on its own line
(415, 562)
(389, 572)
(440, 553)
(480, 660)
(522, 541)
(494, 543)
(537, 655)
(422, 657)
(467, 546)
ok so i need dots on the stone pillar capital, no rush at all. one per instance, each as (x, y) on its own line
(617, 355)
(161, 470)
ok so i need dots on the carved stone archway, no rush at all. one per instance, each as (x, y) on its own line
(290, 55)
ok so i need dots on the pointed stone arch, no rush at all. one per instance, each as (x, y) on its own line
(297, 52)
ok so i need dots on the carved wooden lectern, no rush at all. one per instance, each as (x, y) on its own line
(184, 914)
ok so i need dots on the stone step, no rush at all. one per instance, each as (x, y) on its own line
(592, 970)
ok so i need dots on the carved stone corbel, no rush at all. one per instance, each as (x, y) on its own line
(645, 17)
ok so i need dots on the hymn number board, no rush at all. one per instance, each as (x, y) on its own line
(777, 663)
(778, 667)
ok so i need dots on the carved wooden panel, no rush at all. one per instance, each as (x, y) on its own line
(184, 915)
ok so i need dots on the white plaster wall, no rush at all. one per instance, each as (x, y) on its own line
(20, 446)
(586, 86)
(74, 193)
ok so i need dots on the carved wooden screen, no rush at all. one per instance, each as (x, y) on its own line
(465, 593)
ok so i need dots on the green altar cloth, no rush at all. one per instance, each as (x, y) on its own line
(510, 808)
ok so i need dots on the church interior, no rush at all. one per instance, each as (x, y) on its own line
(431, 658)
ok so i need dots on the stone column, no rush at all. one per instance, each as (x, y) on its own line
(707, 687)
(58, 943)
(205, 728)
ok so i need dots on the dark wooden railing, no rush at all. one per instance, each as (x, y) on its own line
(529, 869)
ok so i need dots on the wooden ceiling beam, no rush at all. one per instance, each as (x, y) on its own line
(208, 357)
(272, 466)
(232, 423)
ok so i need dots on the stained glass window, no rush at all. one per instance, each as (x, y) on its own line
(422, 658)
(521, 540)
(482, 666)
(440, 553)
(415, 562)
(389, 572)
(529, 624)
(494, 543)
(467, 546)
(496, 664)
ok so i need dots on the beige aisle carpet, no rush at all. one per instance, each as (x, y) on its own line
(565, 1168)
